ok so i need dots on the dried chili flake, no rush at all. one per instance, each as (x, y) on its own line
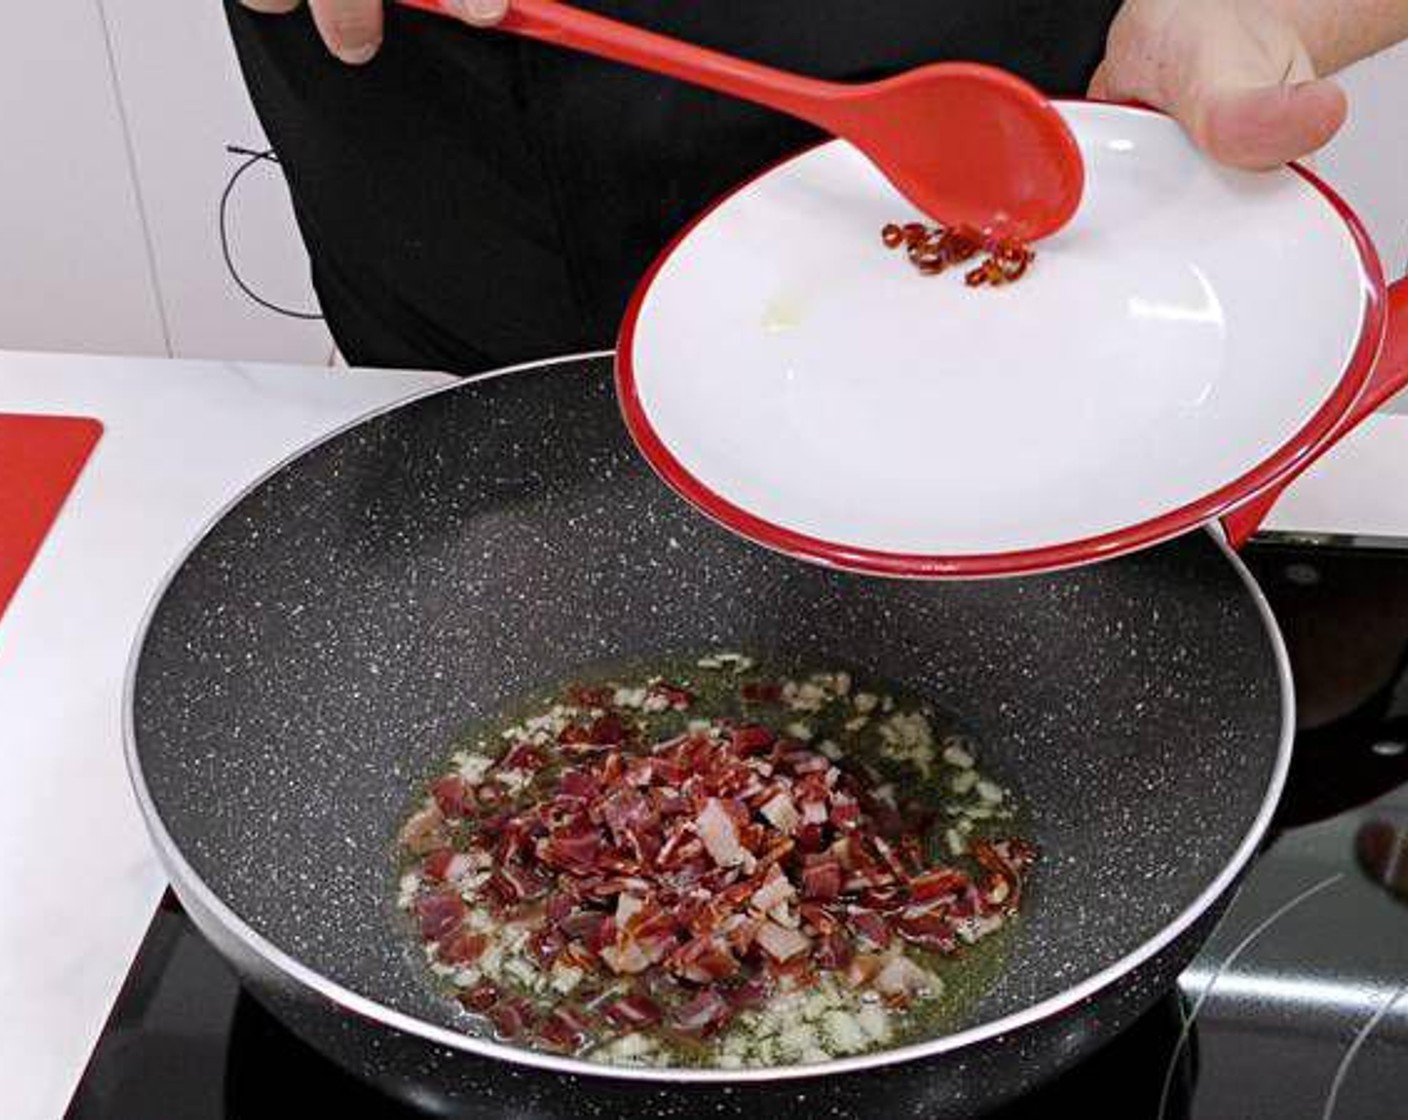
(935, 249)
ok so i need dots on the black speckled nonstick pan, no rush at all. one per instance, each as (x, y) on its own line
(320, 647)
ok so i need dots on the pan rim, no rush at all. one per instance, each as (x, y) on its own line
(185, 877)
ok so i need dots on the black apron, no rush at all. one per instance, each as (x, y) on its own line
(471, 199)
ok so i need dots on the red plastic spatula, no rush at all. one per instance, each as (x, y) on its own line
(967, 144)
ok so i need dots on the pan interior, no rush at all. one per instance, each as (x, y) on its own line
(321, 647)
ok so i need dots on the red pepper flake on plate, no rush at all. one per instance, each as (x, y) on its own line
(935, 249)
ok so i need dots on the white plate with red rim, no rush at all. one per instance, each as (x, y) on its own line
(1191, 341)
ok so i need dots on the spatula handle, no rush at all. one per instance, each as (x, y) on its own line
(566, 26)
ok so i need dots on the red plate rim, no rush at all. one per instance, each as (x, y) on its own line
(1283, 462)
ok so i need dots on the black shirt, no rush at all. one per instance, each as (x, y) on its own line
(470, 199)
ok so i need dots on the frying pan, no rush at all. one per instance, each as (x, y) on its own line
(315, 654)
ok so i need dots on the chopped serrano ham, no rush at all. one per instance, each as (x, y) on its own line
(439, 913)
(776, 890)
(634, 868)
(719, 832)
(781, 943)
(704, 1014)
(780, 811)
(634, 1011)
(425, 831)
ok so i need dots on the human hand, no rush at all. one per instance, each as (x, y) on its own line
(352, 29)
(1237, 74)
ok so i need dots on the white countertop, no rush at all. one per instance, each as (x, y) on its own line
(78, 879)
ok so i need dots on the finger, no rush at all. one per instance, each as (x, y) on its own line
(271, 7)
(1099, 87)
(481, 13)
(1265, 128)
(350, 28)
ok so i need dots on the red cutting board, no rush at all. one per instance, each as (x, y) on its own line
(40, 460)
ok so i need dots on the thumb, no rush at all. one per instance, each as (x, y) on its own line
(1099, 87)
(351, 28)
(1265, 127)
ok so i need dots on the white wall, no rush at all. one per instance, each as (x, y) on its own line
(75, 273)
(73, 269)
(185, 100)
(1368, 161)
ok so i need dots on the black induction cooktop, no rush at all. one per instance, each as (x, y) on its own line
(1296, 1008)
